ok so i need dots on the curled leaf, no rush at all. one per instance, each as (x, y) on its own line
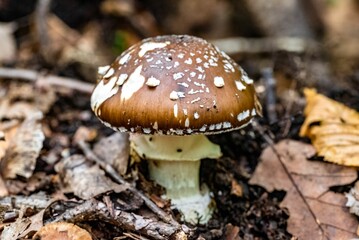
(333, 129)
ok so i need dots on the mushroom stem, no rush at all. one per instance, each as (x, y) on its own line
(174, 163)
(180, 178)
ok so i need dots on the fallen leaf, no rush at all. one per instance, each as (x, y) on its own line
(85, 179)
(22, 100)
(23, 150)
(312, 181)
(35, 224)
(14, 230)
(114, 150)
(333, 129)
(62, 230)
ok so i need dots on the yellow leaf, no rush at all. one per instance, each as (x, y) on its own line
(333, 129)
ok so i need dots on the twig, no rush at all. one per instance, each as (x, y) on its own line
(93, 209)
(270, 86)
(53, 80)
(288, 109)
(266, 137)
(117, 177)
(266, 45)
(36, 201)
(41, 12)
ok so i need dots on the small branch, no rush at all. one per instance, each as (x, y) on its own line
(41, 13)
(117, 177)
(288, 109)
(52, 80)
(266, 45)
(270, 86)
(92, 210)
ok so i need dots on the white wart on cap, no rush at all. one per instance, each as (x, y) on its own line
(175, 85)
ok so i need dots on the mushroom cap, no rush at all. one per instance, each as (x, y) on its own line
(174, 85)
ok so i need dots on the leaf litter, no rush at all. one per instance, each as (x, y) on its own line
(308, 198)
(23, 150)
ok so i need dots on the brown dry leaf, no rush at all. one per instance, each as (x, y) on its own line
(114, 150)
(313, 180)
(62, 230)
(66, 46)
(14, 230)
(89, 51)
(22, 100)
(84, 179)
(35, 224)
(23, 150)
(333, 129)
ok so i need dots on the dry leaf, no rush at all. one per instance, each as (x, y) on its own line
(333, 129)
(23, 150)
(35, 224)
(84, 179)
(14, 230)
(313, 180)
(114, 150)
(62, 230)
(22, 100)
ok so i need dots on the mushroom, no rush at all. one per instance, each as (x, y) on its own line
(170, 92)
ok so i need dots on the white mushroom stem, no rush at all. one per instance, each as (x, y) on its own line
(174, 163)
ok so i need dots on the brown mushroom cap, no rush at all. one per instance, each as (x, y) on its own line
(174, 85)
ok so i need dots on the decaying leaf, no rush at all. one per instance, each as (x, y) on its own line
(22, 100)
(14, 230)
(115, 150)
(84, 179)
(66, 45)
(23, 150)
(62, 230)
(311, 217)
(333, 129)
(35, 224)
